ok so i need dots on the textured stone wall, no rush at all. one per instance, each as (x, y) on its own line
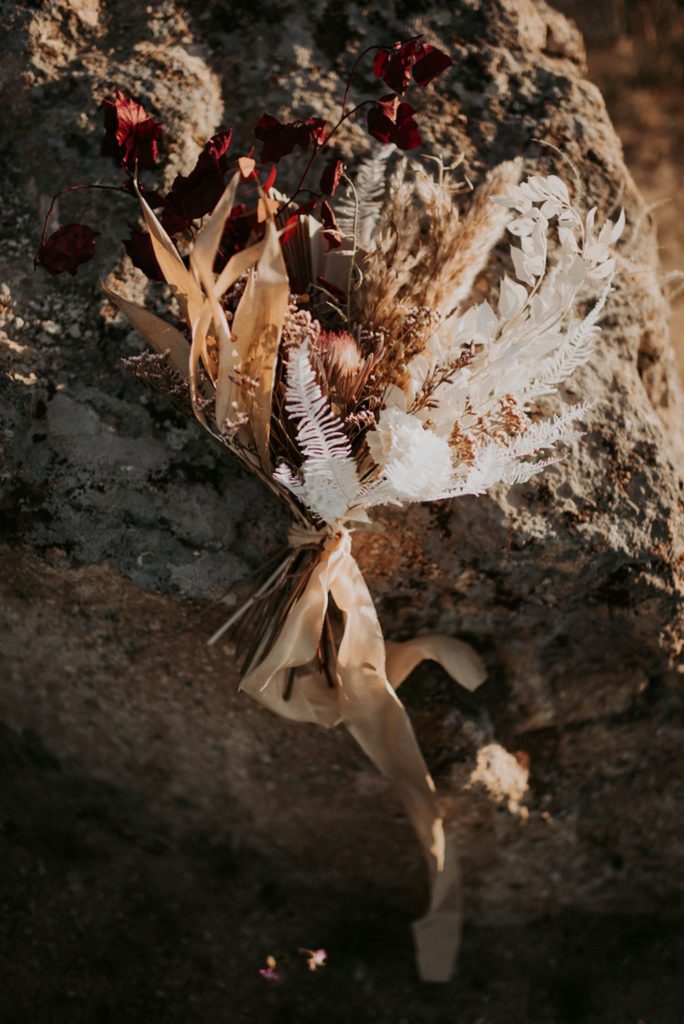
(122, 526)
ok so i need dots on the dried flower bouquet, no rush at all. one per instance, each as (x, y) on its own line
(326, 339)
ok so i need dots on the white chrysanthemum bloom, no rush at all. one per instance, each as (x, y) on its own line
(413, 460)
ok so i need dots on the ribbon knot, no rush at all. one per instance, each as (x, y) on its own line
(300, 536)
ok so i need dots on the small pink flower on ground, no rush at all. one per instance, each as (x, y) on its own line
(315, 958)
(269, 972)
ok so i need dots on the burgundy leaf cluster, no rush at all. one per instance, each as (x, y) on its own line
(132, 137)
(391, 119)
(192, 197)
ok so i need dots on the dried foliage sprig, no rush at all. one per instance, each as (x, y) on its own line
(329, 343)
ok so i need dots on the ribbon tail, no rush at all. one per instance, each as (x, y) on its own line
(380, 725)
(437, 935)
(456, 657)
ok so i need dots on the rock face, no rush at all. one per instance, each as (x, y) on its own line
(122, 525)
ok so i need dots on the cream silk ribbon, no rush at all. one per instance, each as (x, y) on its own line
(368, 672)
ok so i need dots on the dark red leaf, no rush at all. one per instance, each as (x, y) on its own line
(379, 125)
(394, 66)
(270, 180)
(139, 248)
(317, 129)
(173, 221)
(331, 231)
(266, 124)
(429, 64)
(380, 63)
(330, 178)
(131, 136)
(216, 149)
(280, 139)
(192, 197)
(236, 233)
(66, 249)
(407, 134)
(391, 121)
(382, 118)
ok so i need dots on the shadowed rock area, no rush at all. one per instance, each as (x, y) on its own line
(122, 527)
(105, 917)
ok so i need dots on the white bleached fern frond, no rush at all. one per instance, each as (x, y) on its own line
(574, 352)
(496, 463)
(546, 433)
(329, 483)
(493, 464)
(521, 472)
(358, 213)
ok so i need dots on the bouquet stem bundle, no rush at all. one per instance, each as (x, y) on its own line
(309, 639)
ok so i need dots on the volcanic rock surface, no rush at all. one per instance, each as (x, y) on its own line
(122, 526)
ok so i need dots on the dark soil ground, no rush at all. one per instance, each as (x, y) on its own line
(104, 919)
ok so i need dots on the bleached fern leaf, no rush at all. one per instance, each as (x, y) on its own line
(548, 432)
(574, 352)
(496, 463)
(284, 476)
(329, 481)
(521, 472)
(492, 464)
(358, 213)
